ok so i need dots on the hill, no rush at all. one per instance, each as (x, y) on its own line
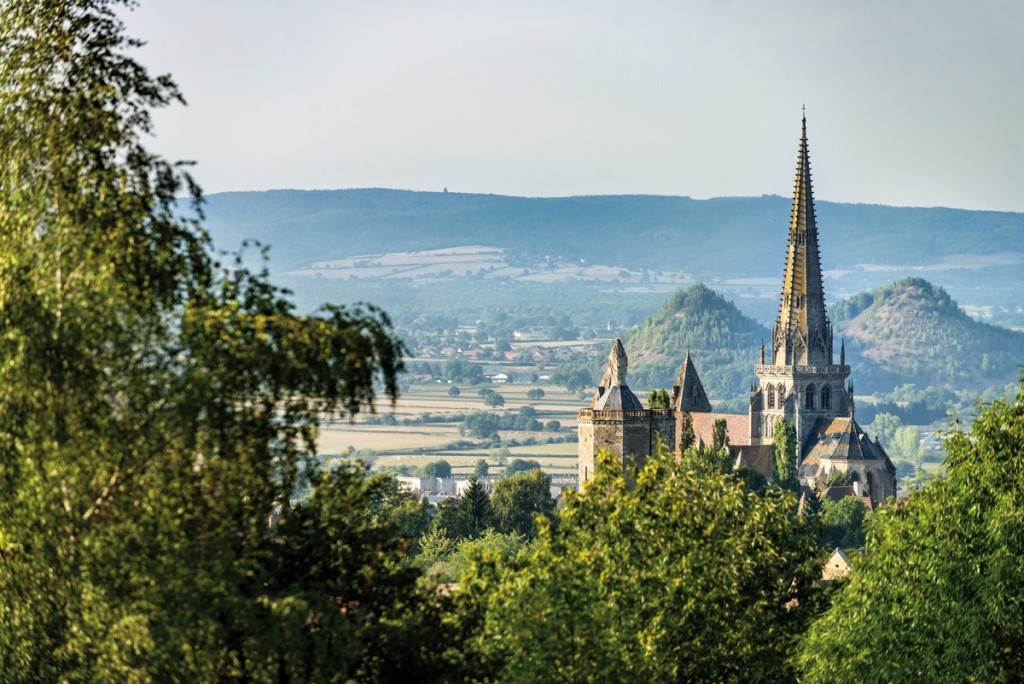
(722, 342)
(913, 332)
(736, 244)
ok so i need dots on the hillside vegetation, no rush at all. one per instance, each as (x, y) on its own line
(722, 342)
(913, 331)
(732, 243)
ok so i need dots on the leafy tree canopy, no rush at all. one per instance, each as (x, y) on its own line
(157, 408)
(519, 499)
(655, 575)
(939, 592)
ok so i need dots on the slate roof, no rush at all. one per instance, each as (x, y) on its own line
(688, 392)
(616, 398)
(838, 439)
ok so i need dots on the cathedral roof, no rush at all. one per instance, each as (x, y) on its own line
(802, 318)
(840, 439)
(687, 392)
(613, 394)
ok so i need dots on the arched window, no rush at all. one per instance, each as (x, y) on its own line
(771, 396)
(826, 397)
(809, 397)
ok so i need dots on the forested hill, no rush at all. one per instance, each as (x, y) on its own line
(729, 235)
(722, 342)
(913, 331)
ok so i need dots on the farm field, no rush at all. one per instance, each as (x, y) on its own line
(416, 445)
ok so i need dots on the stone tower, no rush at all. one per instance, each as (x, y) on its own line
(801, 383)
(618, 423)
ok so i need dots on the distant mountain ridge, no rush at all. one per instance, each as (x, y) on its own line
(976, 254)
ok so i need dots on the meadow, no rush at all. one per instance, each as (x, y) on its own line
(416, 445)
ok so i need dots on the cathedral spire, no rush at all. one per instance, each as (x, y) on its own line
(802, 334)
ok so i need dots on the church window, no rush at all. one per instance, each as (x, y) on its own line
(826, 397)
(771, 397)
(809, 397)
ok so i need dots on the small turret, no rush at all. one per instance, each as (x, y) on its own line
(842, 352)
(762, 351)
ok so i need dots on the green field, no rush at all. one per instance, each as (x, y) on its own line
(416, 445)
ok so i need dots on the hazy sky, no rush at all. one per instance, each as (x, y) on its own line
(908, 103)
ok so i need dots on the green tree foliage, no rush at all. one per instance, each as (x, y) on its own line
(686, 438)
(929, 339)
(453, 560)
(940, 590)
(454, 391)
(723, 341)
(317, 562)
(884, 428)
(535, 393)
(482, 424)
(494, 400)
(439, 468)
(784, 456)
(518, 500)
(720, 435)
(656, 575)
(906, 443)
(459, 370)
(481, 468)
(519, 465)
(156, 409)
(844, 523)
(467, 516)
(553, 426)
(658, 399)
(573, 376)
(812, 507)
(837, 478)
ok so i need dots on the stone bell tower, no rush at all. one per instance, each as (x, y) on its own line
(801, 382)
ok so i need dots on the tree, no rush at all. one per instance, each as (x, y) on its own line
(439, 468)
(535, 393)
(906, 442)
(687, 438)
(784, 456)
(518, 465)
(481, 469)
(884, 427)
(553, 426)
(659, 399)
(157, 408)
(454, 391)
(720, 436)
(701, 588)
(812, 507)
(952, 611)
(843, 521)
(519, 499)
(838, 478)
(494, 400)
(475, 505)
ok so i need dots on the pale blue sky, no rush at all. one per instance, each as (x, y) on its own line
(908, 103)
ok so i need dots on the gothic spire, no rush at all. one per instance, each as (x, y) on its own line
(802, 334)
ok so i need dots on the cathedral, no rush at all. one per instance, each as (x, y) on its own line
(798, 381)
